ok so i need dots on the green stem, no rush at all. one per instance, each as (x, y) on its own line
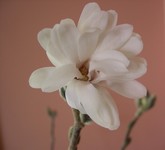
(144, 104)
(128, 139)
(74, 135)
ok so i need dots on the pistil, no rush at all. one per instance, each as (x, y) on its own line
(84, 71)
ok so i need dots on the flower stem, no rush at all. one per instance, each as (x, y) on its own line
(144, 104)
(74, 132)
(52, 114)
(128, 139)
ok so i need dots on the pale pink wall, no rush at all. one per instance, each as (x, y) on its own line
(23, 119)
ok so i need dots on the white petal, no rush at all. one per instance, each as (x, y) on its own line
(98, 20)
(44, 38)
(133, 46)
(54, 49)
(92, 18)
(72, 97)
(136, 69)
(116, 37)
(111, 23)
(98, 78)
(55, 54)
(130, 89)
(98, 104)
(64, 41)
(39, 76)
(87, 44)
(113, 16)
(50, 79)
(111, 55)
(68, 38)
(54, 61)
(109, 67)
(88, 10)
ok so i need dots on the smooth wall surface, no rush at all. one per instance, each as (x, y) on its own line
(24, 123)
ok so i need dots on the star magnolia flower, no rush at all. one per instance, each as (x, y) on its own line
(91, 57)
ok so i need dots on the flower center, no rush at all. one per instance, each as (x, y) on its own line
(84, 71)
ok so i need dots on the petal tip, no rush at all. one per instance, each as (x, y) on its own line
(43, 37)
(114, 127)
(33, 80)
(92, 4)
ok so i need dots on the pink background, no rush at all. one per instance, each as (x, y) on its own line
(24, 123)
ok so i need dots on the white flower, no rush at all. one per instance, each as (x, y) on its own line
(96, 55)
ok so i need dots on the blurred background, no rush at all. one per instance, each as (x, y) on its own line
(24, 123)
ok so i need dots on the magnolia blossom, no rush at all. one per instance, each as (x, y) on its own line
(89, 59)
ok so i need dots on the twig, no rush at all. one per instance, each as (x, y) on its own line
(144, 104)
(128, 139)
(74, 133)
(52, 114)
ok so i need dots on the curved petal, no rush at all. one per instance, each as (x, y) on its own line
(44, 37)
(130, 89)
(98, 104)
(113, 16)
(111, 55)
(72, 97)
(54, 61)
(68, 36)
(108, 67)
(87, 44)
(50, 79)
(136, 69)
(88, 10)
(133, 46)
(92, 18)
(116, 37)
(64, 42)
(55, 52)
(111, 23)
(47, 40)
